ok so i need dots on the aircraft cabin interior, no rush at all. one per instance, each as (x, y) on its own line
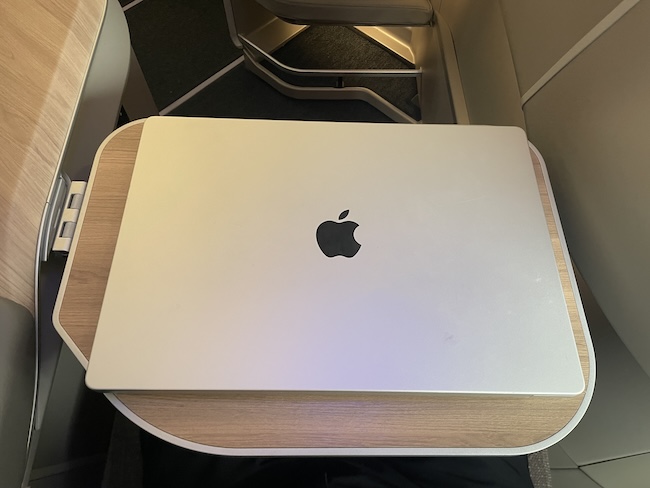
(79, 83)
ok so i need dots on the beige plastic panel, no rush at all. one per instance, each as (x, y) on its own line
(591, 124)
(559, 459)
(541, 32)
(632, 472)
(485, 62)
(571, 478)
(617, 423)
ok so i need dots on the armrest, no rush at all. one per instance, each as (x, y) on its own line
(17, 381)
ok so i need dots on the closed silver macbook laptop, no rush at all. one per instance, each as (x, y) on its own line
(280, 255)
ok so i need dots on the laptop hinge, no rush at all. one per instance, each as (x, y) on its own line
(64, 215)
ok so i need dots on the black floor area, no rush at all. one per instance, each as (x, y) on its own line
(181, 44)
(240, 94)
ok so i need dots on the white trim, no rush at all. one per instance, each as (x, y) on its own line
(591, 381)
(202, 86)
(602, 26)
(131, 5)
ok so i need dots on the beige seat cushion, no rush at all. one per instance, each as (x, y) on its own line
(352, 12)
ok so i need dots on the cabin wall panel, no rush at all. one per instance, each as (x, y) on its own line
(484, 61)
(540, 33)
(590, 123)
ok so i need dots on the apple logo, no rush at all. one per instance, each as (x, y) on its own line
(337, 238)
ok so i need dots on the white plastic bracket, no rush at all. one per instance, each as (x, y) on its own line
(69, 217)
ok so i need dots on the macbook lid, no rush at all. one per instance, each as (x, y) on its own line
(281, 255)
